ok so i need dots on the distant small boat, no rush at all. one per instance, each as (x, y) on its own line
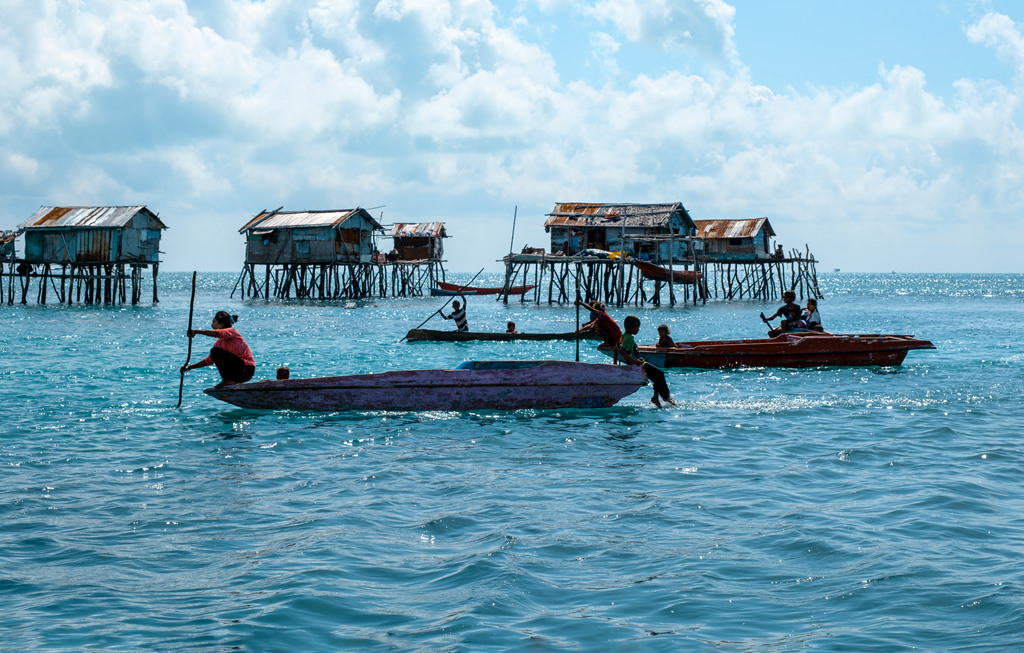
(497, 385)
(444, 289)
(799, 349)
(419, 335)
(658, 273)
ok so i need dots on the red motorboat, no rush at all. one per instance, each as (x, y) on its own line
(797, 349)
(455, 289)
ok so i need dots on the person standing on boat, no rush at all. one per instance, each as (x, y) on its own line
(601, 322)
(230, 353)
(458, 314)
(789, 312)
(627, 348)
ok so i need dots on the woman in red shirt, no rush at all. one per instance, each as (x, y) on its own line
(230, 353)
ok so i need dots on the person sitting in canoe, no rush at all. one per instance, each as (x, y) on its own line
(602, 323)
(510, 327)
(230, 353)
(458, 314)
(664, 339)
(789, 312)
(811, 319)
(631, 355)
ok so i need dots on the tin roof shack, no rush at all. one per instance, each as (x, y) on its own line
(310, 237)
(654, 232)
(92, 235)
(736, 240)
(419, 242)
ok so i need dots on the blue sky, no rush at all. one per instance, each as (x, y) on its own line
(883, 135)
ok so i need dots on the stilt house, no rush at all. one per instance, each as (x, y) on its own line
(92, 235)
(310, 237)
(418, 242)
(655, 232)
(736, 240)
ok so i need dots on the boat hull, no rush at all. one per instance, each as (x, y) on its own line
(446, 289)
(498, 385)
(430, 335)
(658, 273)
(787, 350)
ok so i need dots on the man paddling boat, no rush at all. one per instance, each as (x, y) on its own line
(458, 314)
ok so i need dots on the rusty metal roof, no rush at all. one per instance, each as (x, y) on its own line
(748, 228)
(305, 219)
(581, 214)
(428, 229)
(84, 217)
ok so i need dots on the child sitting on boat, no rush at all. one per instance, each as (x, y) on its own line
(631, 355)
(664, 339)
(510, 327)
(811, 318)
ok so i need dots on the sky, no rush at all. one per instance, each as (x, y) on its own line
(880, 135)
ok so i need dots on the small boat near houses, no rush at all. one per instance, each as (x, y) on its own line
(493, 385)
(658, 273)
(431, 335)
(445, 289)
(796, 349)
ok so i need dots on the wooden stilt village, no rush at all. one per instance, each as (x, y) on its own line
(656, 254)
(621, 254)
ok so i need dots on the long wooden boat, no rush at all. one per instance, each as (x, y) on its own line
(420, 335)
(498, 385)
(455, 289)
(658, 273)
(805, 349)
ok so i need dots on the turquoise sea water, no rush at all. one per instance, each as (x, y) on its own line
(823, 509)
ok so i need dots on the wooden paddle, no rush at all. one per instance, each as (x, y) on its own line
(577, 323)
(188, 358)
(446, 303)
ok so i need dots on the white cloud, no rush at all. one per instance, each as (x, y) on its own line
(1000, 33)
(705, 26)
(245, 105)
(23, 165)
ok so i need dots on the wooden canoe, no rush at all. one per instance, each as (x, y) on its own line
(424, 335)
(455, 289)
(805, 349)
(492, 385)
(658, 273)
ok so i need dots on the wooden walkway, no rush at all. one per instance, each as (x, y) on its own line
(616, 282)
(339, 280)
(81, 283)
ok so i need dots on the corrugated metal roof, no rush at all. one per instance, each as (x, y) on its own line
(733, 228)
(407, 230)
(581, 214)
(305, 219)
(92, 217)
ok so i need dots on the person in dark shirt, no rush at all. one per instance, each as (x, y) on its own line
(790, 313)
